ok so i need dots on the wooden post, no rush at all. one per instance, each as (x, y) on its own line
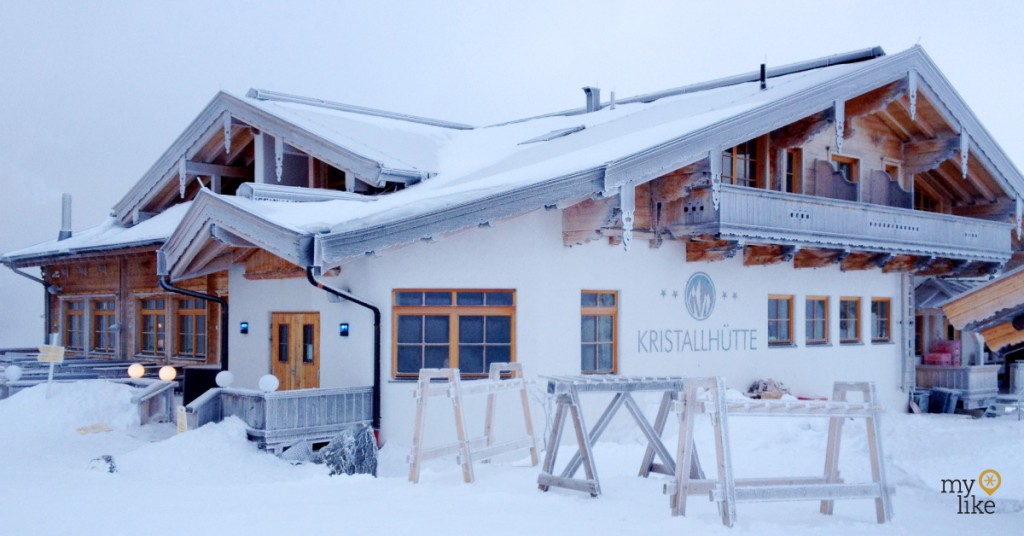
(835, 433)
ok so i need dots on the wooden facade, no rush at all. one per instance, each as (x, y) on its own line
(864, 185)
(100, 308)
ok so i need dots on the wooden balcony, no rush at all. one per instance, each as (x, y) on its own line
(791, 222)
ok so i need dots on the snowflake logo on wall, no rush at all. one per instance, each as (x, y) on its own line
(700, 296)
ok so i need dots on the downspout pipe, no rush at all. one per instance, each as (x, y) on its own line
(376, 337)
(166, 285)
(46, 300)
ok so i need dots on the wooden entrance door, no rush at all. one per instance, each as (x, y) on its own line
(295, 349)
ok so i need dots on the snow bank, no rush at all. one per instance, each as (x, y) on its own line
(213, 481)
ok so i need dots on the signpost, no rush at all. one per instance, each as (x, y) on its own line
(52, 354)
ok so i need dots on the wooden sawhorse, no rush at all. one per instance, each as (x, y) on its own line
(727, 491)
(566, 391)
(466, 449)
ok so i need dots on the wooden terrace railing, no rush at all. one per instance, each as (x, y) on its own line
(281, 419)
(769, 217)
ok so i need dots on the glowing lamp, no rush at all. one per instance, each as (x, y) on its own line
(12, 373)
(269, 383)
(136, 370)
(167, 373)
(224, 379)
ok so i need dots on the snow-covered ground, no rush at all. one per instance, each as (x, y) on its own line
(212, 481)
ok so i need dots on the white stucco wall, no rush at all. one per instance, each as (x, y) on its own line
(526, 254)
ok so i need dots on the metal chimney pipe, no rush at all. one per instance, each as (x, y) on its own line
(593, 98)
(65, 217)
(764, 76)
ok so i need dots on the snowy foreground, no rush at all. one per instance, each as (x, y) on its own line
(212, 481)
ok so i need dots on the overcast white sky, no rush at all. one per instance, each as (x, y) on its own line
(91, 94)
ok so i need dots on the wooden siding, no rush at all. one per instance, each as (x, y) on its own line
(125, 278)
(984, 302)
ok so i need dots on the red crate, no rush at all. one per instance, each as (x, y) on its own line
(941, 358)
(947, 347)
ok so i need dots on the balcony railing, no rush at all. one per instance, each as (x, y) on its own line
(768, 217)
(280, 419)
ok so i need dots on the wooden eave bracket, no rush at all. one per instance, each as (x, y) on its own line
(182, 175)
(964, 149)
(840, 117)
(1018, 214)
(715, 162)
(226, 123)
(627, 205)
(912, 94)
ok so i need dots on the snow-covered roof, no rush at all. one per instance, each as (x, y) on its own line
(467, 175)
(111, 234)
(476, 175)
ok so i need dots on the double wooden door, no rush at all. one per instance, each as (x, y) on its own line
(295, 349)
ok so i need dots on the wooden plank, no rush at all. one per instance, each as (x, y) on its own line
(265, 265)
(803, 492)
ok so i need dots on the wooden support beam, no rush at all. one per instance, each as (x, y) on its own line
(705, 251)
(920, 156)
(894, 125)
(923, 262)
(241, 141)
(207, 170)
(950, 192)
(943, 267)
(900, 263)
(876, 99)
(760, 255)
(1001, 210)
(860, 260)
(797, 133)
(880, 260)
(228, 238)
(583, 221)
(975, 172)
(918, 122)
(816, 258)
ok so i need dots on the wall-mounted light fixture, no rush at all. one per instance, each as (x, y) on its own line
(343, 329)
(243, 328)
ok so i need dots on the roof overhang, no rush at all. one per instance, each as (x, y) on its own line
(212, 232)
(209, 124)
(335, 247)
